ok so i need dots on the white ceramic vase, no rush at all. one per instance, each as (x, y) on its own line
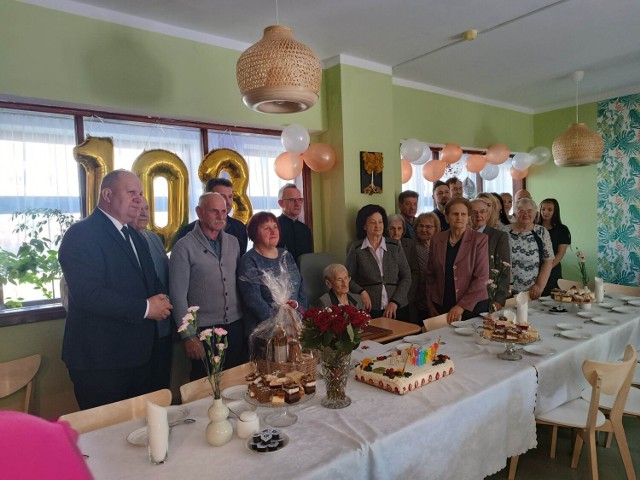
(219, 431)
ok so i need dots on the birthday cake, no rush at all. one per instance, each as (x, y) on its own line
(403, 371)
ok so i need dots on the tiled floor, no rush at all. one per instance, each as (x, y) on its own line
(536, 464)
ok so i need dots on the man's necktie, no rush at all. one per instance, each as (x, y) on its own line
(127, 235)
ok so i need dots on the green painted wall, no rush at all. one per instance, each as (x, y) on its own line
(60, 57)
(575, 188)
(435, 118)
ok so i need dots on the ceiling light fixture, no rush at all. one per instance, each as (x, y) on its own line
(579, 145)
(279, 74)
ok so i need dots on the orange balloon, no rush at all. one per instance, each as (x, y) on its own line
(433, 170)
(451, 153)
(519, 174)
(320, 157)
(475, 163)
(497, 154)
(288, 165)
(406, 169)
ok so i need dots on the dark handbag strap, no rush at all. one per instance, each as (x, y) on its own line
(540, 247)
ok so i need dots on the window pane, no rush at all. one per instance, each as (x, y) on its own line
(39, 171)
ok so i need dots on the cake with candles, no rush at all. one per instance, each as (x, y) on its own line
(405, 370)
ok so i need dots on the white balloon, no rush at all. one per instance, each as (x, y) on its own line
(522, 161)
(295, 138)
(425, 157)
(490, 172)
(540, 155)
(411, 150)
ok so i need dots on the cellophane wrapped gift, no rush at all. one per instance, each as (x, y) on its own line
(274, 346)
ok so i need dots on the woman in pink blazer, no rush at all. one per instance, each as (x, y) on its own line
(458, 267)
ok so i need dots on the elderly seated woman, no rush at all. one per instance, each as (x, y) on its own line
(337, 280)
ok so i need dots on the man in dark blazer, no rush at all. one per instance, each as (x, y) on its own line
(115, 298)
(499, 249)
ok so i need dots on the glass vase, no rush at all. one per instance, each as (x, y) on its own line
(335, 371)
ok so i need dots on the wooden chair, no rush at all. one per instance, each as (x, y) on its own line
(564, 284)
(312, 267)
(511, 302)
(18, 374)
(201, 388)
(622, 289)
(434, 323)
(585, 416)
(98, 417)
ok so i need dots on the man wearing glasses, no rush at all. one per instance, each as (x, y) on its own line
(295, 236)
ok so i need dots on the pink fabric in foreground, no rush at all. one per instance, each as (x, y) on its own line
(33, 448)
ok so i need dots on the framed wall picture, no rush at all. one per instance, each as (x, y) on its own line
(371, 165)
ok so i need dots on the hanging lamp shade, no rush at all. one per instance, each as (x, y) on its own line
(578, 146)
(279, 74)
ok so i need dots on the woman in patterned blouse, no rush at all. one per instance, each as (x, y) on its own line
(531, 251)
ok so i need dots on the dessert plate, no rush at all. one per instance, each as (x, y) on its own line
(587, 314)
(175, 415)
(624, 309)
(629, 298)
(558, 310)
(635, 303)
(544, 299)
(605, 305)
(465, 331)
(138, 437)
(235, 393)
(459, 324)
(575, 334)
(568, 326)
(283, 436)
(420, 338)
(538, 350)
(605, 321)
(401, 346)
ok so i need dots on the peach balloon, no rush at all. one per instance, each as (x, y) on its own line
(288, 165)
(407, 170)
(475, 163)
(320, 157)
(451, 153)
(434, 170)
(497, 154)
(519, 174)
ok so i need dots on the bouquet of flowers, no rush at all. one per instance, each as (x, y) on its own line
(335, 328)
(498, 269)
(216, 347)
(582, 266)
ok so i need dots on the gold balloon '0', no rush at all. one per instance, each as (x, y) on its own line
(230, 161)
(162, 163)
(95, 155)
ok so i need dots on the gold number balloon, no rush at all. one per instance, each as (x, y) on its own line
(95, 154)
(231, 162)
(162, 163)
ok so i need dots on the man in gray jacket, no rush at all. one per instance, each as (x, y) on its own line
(202, 272)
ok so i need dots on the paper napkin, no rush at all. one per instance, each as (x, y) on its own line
(157, 432)
(522, 308)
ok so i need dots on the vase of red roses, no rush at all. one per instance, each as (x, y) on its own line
(334, 332)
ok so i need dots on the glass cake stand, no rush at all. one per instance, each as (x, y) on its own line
(511, 352)
(281, 417)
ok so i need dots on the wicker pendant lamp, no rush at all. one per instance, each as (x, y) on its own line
(279, 74)
(579, 145)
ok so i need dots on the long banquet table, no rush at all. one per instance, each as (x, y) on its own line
(464, 426)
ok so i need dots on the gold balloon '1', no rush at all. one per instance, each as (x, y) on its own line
(95, 155)
(151, 164)
(229, 161)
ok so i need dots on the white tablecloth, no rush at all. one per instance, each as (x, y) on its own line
(461, 427)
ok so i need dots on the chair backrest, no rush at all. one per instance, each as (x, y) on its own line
(117, 412)
(17, 374)
(511, 302)
(201, 388)
(610, 379)
(312, 266)
(434, 323)
(622, 289)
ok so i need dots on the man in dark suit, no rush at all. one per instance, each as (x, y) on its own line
(233, 226)
(115, 298)
(499, 249)
(295, 236)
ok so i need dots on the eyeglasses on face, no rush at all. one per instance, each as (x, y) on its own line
(295, 200)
